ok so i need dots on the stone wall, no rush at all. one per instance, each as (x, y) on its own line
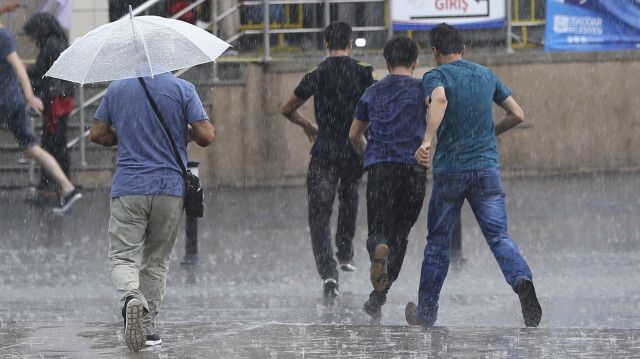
(580, 116)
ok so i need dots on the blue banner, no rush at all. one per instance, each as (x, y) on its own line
(592, 25)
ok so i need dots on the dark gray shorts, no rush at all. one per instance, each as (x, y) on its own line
(17, 120)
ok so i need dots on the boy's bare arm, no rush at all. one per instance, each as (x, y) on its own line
(290, 111)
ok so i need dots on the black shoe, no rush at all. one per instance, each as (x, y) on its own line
(373, 305)
(378, 272)
(330, 288)
(531, 310)
(153, 340)
(133, 333)
(66, 201)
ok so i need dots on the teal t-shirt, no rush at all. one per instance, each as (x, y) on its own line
(466, 136)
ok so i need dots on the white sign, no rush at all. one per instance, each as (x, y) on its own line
(424, 14)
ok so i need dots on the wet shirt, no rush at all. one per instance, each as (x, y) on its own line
(146, 162)
(466, 136)
(10, 90)
(336, 84)
(396, 110)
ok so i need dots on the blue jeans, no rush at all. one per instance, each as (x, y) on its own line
(483, 190)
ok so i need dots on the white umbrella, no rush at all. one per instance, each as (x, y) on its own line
(134, 47)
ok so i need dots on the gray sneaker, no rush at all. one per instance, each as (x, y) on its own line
(133, 333)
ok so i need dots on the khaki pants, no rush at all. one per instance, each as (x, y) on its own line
(142, 233)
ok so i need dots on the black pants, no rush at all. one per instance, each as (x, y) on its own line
(324, 179)
(55, 142)
(395, 194)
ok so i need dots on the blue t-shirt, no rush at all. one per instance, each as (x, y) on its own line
(396, 109)
(10, 91)
(466, 136)
(146, 162)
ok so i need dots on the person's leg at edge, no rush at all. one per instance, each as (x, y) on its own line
(162, 231)
(20, 125)
(322, 182)
(127, 231)
(444, 207)
(350, 174)
(51, 166)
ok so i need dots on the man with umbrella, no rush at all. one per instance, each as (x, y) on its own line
(151, 115)
(148, 189)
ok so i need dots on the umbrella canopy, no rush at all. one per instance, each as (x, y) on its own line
(134, 47)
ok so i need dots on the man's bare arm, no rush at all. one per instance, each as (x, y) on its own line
(202, 132)
(356, 136)
(513, 117)
(103, 134)
(290, 111)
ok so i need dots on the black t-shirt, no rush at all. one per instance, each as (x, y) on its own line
(337, 85)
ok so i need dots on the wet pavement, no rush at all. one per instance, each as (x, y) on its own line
(255, 292)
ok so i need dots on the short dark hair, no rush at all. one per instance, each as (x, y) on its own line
(446, 39)
(401, 51)
(337, 35)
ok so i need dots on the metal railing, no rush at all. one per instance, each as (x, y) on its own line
(531, 20)
(268, 28)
